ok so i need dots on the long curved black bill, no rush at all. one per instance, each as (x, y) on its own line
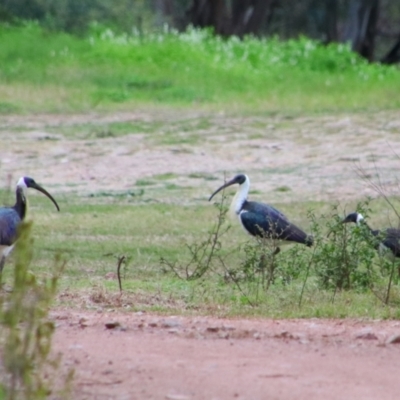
(229, 183)
(44, 191)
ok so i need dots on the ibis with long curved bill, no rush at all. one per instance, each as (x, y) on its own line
(262, 220)
(11, 217)
(387, 240)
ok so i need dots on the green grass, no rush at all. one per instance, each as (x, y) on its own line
(91, 235)
(101, 131)
(57, 72)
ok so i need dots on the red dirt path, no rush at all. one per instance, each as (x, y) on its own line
(182, 358)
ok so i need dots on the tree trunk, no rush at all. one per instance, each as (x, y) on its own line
(323, 20)
(163, 11)
(331, 21)
(245, 16)
(206, 13)
(248, 16)
(393, 56)
(360, 28)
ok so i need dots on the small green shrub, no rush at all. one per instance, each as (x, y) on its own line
(206, 255)
(344, 260)
(26, 330)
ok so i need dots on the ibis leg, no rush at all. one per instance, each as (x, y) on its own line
(4, 254)
(268, 265)
(2, 262)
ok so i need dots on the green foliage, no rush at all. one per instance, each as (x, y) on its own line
(345, 260)
(265, 263)
(206, 255)
(26, 330)
(341, 259)
(106, 69)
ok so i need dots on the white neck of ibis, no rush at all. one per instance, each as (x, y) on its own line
(21, 184)
(240, 197)
(360, 219)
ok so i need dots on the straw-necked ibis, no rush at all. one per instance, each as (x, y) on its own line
(10, 217)
(262, 220)
(388, 239)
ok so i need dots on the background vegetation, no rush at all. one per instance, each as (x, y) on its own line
(59, 72)
(369, 26)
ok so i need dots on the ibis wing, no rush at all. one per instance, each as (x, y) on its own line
(391, 240)
(9, 220)
(263, 220)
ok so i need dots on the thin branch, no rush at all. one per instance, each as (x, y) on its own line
(390, 283)
(235, 281)
(121, 259)
(377, 187)
(310, 263)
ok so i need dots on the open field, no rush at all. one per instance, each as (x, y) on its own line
(137, 184)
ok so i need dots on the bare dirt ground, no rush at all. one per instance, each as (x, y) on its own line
(179, 358)
(314, 157)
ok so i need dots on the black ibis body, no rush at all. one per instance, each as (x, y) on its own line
(10, 217)
(262, 220)
(388, 240)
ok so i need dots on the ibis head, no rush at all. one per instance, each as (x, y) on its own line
(26, 182)
(241, 196)
(238, 179)
(354, 217)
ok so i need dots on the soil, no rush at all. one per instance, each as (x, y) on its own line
(323, 158)
(140, 356)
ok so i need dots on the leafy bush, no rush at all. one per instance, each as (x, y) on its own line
(345, 260)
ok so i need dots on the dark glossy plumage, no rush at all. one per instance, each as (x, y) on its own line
(9, 221)
(390, 238)
(10, 218)
(264, 220)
